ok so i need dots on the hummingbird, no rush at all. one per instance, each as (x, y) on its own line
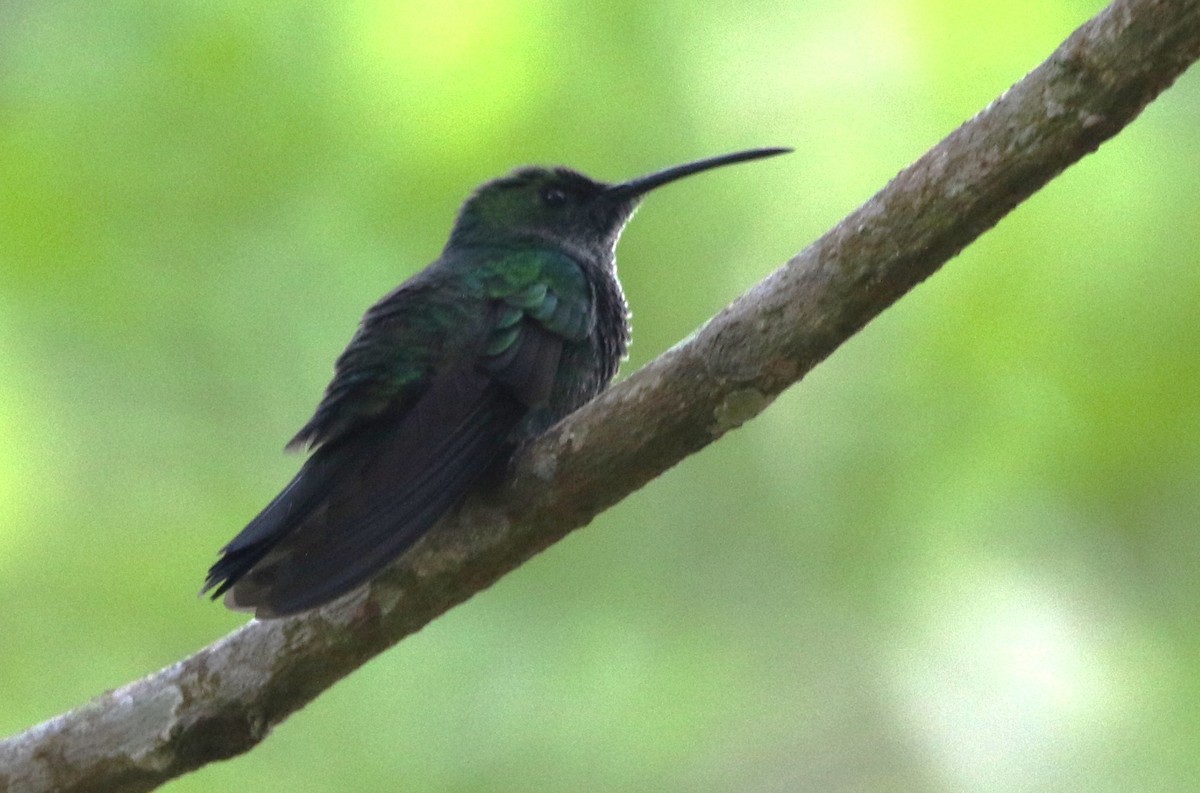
(519, 322)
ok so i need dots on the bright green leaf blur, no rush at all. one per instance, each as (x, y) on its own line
(961, 556)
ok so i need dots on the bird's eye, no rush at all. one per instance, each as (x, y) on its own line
(553, 196)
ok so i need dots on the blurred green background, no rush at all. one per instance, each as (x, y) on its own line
(961, 556)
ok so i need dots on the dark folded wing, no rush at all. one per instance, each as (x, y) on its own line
(357, 505)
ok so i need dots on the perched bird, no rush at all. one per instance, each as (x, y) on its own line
(519, 322)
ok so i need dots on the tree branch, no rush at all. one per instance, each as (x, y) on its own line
(225, 699)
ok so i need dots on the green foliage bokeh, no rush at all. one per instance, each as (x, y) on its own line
(960, 556)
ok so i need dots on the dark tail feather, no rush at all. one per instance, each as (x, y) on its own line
(359, 504)
(271, 525)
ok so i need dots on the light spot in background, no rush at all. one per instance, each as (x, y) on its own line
(1010, 683)
(843, 49)
(822, 74)
(18, 458)
(439, 73)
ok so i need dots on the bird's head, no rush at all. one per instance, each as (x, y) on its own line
(561, 208)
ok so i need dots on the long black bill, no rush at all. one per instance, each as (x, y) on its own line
(644, 184)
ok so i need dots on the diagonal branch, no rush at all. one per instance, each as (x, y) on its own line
(224, 699)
